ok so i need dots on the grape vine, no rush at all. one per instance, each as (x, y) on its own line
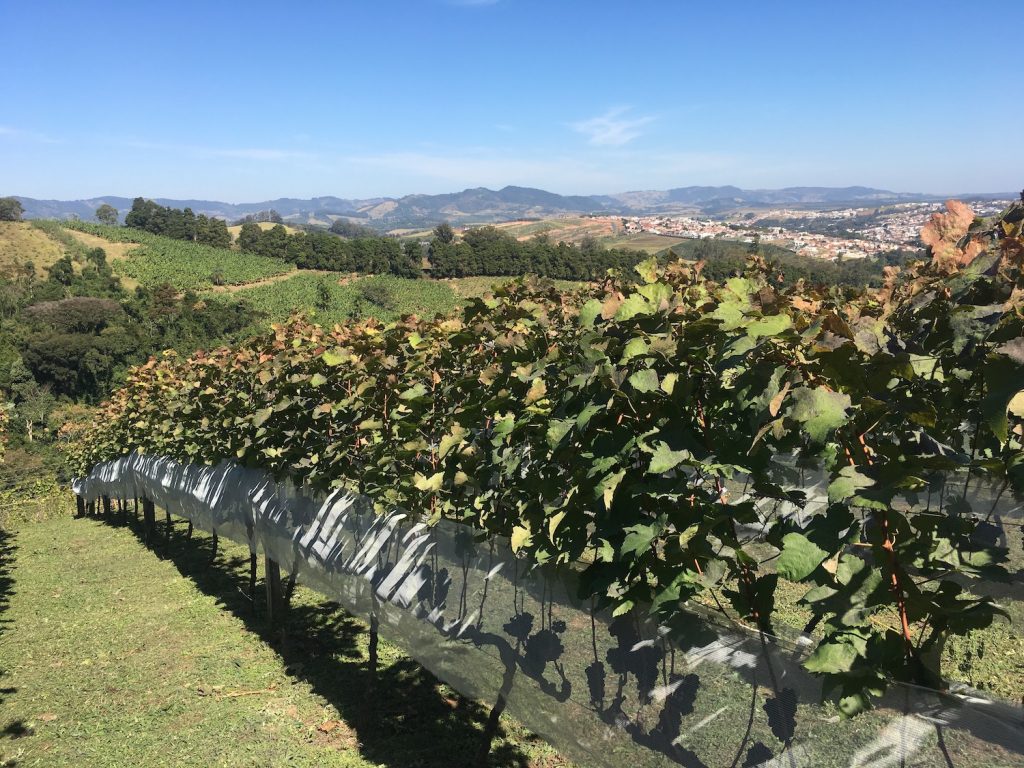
(638, 429)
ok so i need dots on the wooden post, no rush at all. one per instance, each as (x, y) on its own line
(79, 506)
(275, 597)
(371, 653)
(252, 579)
(149, 516)
(289, 587)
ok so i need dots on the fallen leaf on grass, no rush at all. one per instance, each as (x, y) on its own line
(47, 717)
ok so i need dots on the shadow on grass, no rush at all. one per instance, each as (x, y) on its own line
(408, 720)
(17, 728)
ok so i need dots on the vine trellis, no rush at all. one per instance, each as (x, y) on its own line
(636, 428)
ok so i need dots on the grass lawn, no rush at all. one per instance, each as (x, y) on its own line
(111, 656)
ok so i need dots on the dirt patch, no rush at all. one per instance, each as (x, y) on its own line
(113, 250)
(340, 278)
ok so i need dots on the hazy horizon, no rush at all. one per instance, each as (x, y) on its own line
(950, 195)
(394, 98)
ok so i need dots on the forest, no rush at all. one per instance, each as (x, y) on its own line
(178, 224)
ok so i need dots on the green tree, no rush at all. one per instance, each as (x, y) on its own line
(107, 214)
(249, 237)
(444, 233)
(62, 271)
(10, 209)
(32, 401)
(275, 241)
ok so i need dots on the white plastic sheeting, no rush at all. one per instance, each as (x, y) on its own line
(605, 691)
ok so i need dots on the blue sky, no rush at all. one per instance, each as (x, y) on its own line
(245, 101)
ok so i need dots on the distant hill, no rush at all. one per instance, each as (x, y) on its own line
(506, 204)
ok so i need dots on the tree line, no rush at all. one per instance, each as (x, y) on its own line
(322, 250)
(484, 251)
(489, 251)
(178, 224)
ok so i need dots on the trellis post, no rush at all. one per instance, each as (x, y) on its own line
(149, 518)
(275, 596)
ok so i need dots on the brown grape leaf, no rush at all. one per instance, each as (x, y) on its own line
(942, 233)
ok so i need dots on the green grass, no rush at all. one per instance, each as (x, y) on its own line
(110, 656)
(113, 657)
(183, 264)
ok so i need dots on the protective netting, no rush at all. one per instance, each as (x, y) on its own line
(605, 691)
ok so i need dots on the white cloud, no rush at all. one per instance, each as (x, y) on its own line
(612, 129)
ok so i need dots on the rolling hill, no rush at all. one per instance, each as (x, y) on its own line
(485, 205)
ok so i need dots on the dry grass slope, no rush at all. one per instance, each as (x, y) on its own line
(264, 225)
(20, 242)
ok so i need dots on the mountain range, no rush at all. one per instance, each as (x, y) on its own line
(481, 204)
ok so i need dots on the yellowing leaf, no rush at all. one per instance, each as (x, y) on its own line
(537, 391)
(553, 522)
(333, 358)
(648, 270)
(776, 403)
(521, 537)
(430, 484)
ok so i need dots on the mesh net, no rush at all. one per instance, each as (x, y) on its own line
(604, 690)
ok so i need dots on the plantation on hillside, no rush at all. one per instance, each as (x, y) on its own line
(383, 297)
(640, 430)
(186, 265)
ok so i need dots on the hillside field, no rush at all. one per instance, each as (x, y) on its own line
(154, 260)
(20, 242)
(384, 297)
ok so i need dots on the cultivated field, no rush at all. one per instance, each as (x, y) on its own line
(155, 260)
(384, 297)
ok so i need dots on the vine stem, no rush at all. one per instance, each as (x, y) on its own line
(894, 584)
